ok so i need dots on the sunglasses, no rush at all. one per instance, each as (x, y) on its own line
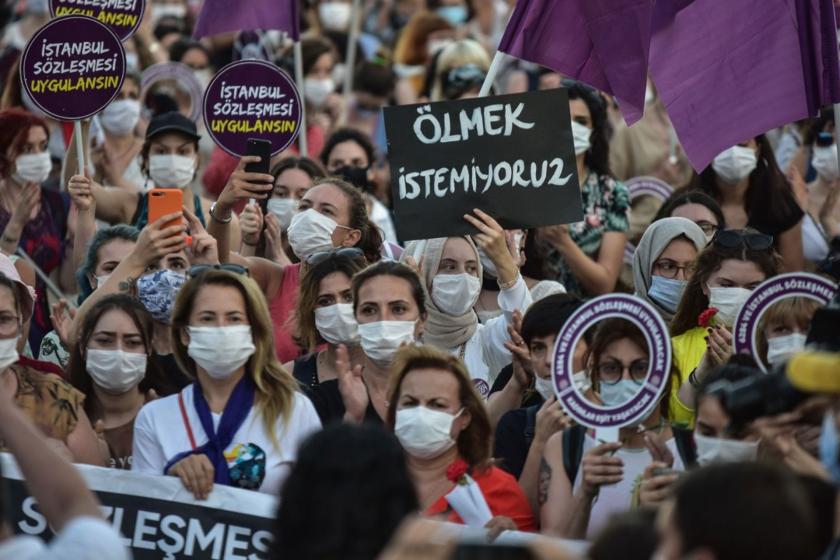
(352, 253)
(197, 270)
(732, 239)
(824, 139)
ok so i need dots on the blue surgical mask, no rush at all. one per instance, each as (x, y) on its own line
(830, 447)
(456, 15)
(618, 393)
(667, 292)
(157, 292)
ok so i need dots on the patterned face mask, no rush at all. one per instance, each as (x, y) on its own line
(157, 292)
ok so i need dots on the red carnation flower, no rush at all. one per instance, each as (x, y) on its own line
(707, 317)
(457, 470)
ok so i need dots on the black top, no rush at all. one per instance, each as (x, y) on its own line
(306, 370)
(326, 398)
(783, 215)
(511, 443)
(171, 371)
(502, 380)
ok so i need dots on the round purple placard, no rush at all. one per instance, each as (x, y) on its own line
(644, 186)
(122, 16)
(72, 67)
(647, 319)
(773, 290)
(252, 99)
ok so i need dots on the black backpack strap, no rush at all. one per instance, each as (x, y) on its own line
(573, 439)
(684, 439)
(530, 424)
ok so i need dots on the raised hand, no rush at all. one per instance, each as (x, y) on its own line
(80, 192)
(204, 248)
(352, 387)
(493, 241)
(158, 239)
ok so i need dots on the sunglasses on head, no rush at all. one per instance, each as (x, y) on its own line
(199, 269)
(733, 239)
(345, 252)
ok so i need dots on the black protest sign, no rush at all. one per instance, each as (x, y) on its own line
(511, 156)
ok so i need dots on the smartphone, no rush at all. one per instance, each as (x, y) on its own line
(261, 148)
(163, 202)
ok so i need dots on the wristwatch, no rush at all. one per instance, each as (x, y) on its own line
(216, 218)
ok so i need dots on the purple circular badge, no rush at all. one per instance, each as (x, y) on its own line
(123, 17)
(647, 319)
(773, 290)
(644, 186)
(252, 99)
(179, 73)
(72, 67)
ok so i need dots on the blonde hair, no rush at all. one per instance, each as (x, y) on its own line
(459, 53)
(275, 387)
(474, 441)
(798, 309)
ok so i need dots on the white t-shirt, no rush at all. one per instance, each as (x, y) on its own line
(160, 434)
(84, 538)
(617, 498)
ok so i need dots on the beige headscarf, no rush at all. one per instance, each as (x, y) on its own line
(441, 330)
(656, 238)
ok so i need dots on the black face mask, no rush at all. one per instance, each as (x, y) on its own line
(357, 176)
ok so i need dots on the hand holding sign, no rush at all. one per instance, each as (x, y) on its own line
(196, 473)
(493, 240)
(599, 467)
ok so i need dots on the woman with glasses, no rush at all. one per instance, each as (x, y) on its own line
(241, 421)
(332, 214)
(324, 315)
(696, 206)
(577, 506)
(664, 261)
(49, 401)
(586, 257)
(732, 265)
(753, 193)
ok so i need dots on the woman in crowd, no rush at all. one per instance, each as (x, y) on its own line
(268, 237)
(332, 214)
(753, 192)
(33, 217)
(336, 470)
(424, 36)
(456, 55)
(441, 421)
(822, 218)
(221, 336)
(52, 403)
(696, 206)
(114, 154)
(451, 271)
(783, 329)
(735, 262)
(586, 257)
(113, 366)
(663, 262)
(349, 154)
(324, 315)
(390, 307)
(577, 504)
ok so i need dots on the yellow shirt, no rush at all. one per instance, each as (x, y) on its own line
(688, 349)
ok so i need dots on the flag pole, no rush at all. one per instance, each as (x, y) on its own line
(837, 120)
(80, 149)
(352, 40)
(498, 60)
(303, 142)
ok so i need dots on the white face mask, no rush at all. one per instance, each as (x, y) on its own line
(335, 16)
(168, 10)
(316, 90)
(719, 450)
(283, 209)
(619, 393)
(8, 352)
(132, 62)
(203, 77)
(782, 348)
(100, 280)
(824, 160)
(581, 135)
(32, 168)
(220, 351)
(582, 382)
(735, 164)
(425, 433)
(337, 323)
(381, 340)
(311, 232)
(455, 294)
(114, 370)
(728, 302)
(120, 117)
(171, 171)
(544, 387)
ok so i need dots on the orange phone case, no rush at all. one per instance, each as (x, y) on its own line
(163, 202)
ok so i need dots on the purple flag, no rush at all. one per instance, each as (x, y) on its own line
(601, 42)
(728, 71)
(220, 16)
